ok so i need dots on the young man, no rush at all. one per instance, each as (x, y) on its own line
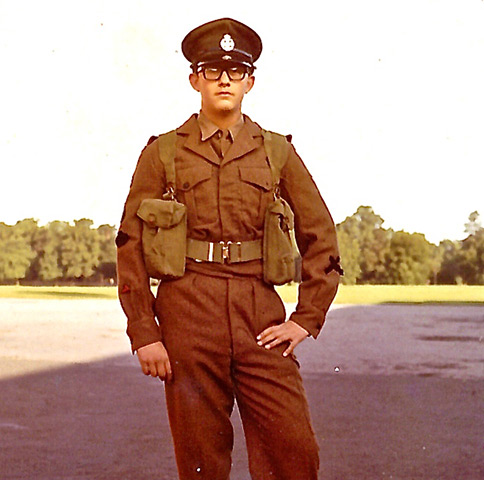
(221, 332)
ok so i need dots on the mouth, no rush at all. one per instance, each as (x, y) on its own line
(224, 94)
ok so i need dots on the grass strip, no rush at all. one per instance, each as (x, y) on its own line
(356, 295)
(412, 294)
(52, 293)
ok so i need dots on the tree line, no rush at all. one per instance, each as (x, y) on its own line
(58, 252)
(372, 254)
(62, 252)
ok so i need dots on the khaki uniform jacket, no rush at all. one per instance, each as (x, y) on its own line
(226, 201)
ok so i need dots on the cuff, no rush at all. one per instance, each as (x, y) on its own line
(142, 333)
(311, 323)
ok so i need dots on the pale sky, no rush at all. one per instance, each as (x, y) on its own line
(384, 99)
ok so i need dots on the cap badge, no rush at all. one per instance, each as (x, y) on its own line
(227, 43)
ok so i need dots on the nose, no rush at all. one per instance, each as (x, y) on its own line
(224, 79)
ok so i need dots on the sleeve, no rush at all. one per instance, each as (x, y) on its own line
(134, 289)
(317, 243)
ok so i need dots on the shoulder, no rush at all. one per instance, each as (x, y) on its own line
(188, 126)
(255, 127)
(165, 139)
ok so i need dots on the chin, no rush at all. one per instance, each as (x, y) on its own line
(225, 107)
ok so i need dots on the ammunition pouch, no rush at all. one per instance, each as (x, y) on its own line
(279, 246)
(164, 237)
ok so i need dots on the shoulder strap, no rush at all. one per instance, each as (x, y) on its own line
(277, 150)
(167, 151)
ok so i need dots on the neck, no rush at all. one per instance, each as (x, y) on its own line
(223, 119)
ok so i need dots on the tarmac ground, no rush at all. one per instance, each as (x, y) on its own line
(396, 392)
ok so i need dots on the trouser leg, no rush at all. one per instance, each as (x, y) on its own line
(193, 317)
(209, 327)
(280, 440)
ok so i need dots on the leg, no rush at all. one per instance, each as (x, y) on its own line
(193, 319)
(270, 395)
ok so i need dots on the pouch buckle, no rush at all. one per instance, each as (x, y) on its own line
(169, 193)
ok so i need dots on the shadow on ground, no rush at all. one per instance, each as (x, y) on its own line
(104, 421)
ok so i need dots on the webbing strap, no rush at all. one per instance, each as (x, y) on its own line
(276, 147)
(167, 152)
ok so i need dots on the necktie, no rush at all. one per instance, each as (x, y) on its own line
(221, 142)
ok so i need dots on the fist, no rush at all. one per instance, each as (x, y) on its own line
(154, 361)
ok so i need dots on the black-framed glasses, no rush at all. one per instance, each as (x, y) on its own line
(236, 73)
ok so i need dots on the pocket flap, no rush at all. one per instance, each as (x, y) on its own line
(258, 176)
(188, 178)
(161, 213)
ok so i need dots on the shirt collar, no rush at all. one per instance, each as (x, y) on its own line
(209, 129)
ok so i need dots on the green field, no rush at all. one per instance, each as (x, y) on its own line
(375, 294)
(67, 293)
(359, 294)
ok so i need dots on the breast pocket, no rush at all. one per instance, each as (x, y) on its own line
(197, 191)
(255, 192)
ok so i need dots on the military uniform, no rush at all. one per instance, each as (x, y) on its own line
(208, 319)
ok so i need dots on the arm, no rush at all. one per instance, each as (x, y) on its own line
(133, 281)
(316, 239)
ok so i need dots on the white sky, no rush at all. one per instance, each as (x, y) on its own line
(384, 99)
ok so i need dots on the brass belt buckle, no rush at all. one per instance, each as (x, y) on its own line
(225, 253)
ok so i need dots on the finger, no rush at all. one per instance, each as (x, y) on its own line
(266, 333)
(153, 369)
(280, 334)
(277, 341)
(289, 349)
(169, 372)
(273, 334)
(161, 370)
(145, 368)
(266, 340)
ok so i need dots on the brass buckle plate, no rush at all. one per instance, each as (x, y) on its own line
(227, 252)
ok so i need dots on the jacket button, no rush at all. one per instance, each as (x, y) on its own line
(186, 185)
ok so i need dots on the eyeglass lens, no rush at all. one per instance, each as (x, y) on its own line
(215, 73)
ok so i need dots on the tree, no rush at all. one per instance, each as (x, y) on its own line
(107, 247)
(448, 251)
(463, 262)
(16, 252)
(350, 256)
(80, 249)
(471, 254)
(47, 243)
(409, 259)
(473, 225)
(107, 255)
(366, 228)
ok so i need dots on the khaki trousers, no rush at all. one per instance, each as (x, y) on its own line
(209, 327)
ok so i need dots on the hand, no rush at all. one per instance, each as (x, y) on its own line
(285, 332)
(154, 361)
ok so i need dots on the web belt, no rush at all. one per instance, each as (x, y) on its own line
(224, 252)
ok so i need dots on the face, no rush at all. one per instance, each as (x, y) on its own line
(221, 96)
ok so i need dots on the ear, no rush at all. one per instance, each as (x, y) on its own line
(194, 81)
(250, 84)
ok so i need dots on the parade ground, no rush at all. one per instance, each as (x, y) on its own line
(396, 391)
